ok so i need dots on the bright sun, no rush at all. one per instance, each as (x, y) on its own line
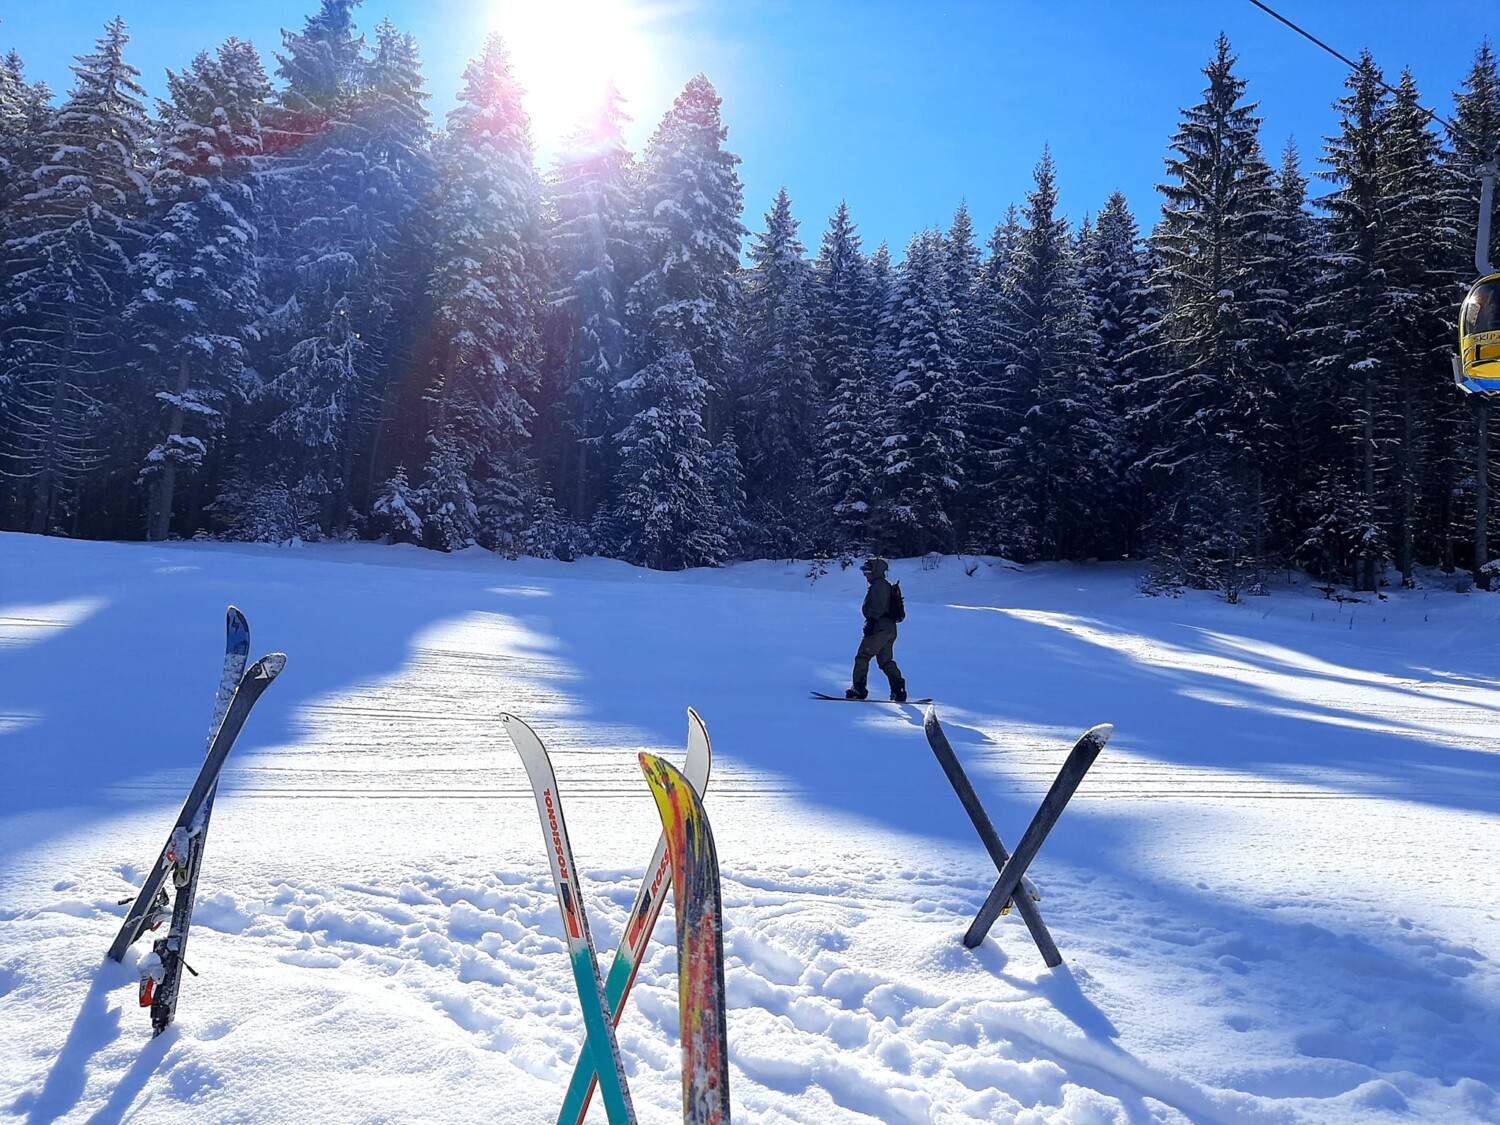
(564, 51)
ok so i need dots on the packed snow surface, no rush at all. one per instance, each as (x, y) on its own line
(1276, 892)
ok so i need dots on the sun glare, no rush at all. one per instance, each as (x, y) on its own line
(564, 51)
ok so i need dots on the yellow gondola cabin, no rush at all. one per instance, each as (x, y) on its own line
(1478, 365)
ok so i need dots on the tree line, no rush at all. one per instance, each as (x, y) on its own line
(294, 309)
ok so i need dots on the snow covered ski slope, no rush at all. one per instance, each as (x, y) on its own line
(1275, 893)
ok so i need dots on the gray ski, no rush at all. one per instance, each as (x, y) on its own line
(1080, 758)
(251, 686)
(161, 971)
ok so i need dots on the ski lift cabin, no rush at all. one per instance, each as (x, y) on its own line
(1478, 366)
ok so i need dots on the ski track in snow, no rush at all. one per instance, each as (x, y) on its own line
(1274, 892)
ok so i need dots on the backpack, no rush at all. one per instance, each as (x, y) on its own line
(897, 610)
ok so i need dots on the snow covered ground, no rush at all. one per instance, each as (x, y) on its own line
(1276, 893)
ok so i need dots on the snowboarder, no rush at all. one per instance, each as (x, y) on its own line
(879, 641)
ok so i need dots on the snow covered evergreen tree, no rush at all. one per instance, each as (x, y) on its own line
(24, 109)
(986, 426)
(320, 267)
(1114, 273)
(779, 405)
(844, 321)
(198, 292)
(487, 292)
(70, 242)
(1304, 408)
(969, 331)
(691, 200)
(1420, 273)
(1390, 264)
(394, 512)
(594, 242)
(1358, 333)
(450, 515)
(667, 514)
(25, 117)
(398, 212)
(925, 450)
(1212, 432)
(1056, 463)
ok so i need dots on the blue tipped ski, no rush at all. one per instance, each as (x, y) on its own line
(601, 1044)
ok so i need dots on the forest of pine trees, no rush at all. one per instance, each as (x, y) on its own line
(290, 306)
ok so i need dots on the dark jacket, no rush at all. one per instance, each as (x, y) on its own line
(877, 604)
(877, 607)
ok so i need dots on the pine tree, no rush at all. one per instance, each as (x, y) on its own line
(844, 360)
(667, 514)
(394, 512)
(398, 213)
(18, 147)
(1358, 338)
(968, 331)
(1305, 412)
(925, 450)
(450, 515)
(692, 200)
(1419, 273)
(1114, 280)
(487, 293)
(320, 269)
(68, 254)
(780, 404)
(986, 424)
(593, 239)
(1389, 261)
(199, 293)
(1212, 433)
(1061, 444)
(25, 117)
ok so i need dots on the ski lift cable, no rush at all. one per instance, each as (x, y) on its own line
(1432, 114)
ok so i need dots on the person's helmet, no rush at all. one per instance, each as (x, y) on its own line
(874, 567)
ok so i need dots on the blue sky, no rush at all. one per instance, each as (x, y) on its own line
(902, 107)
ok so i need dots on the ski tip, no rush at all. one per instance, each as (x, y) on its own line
(507, 720)
(269, 667)
(236, 631)
(661, 774)
(526, 741)
(1100, 733)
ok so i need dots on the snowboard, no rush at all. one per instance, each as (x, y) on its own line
(846, 699)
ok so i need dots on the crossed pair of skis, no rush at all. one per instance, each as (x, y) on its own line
(240, 687)
(1012, 866)
(686, 851)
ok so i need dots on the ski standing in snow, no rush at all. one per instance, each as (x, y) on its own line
(697, 900)
(638, 926)
(182, 856)
(600, 1028)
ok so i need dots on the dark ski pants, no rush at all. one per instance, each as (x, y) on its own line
(880, 647)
